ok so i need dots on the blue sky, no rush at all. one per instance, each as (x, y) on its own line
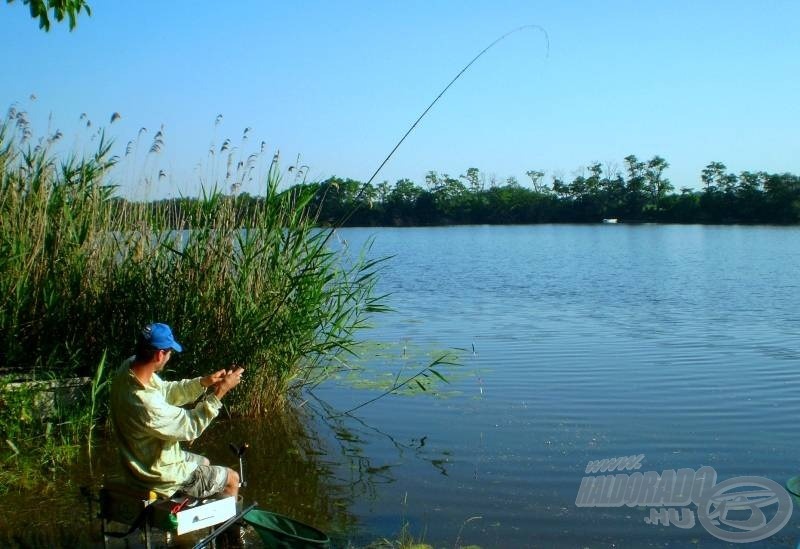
(340, 82)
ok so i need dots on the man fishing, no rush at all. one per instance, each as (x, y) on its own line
(150, 423)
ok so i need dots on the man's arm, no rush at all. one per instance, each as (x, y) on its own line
(230, 380)
(186, 391)
(170, 422)
(182, 392)
(166, 421)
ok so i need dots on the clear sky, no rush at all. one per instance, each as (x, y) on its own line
(339, 82)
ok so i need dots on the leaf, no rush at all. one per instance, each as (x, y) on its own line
(437, 374)
(12, 446)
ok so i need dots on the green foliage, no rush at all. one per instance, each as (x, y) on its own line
(642, 193)
(69, 9)
(97, 393)
(41, 433)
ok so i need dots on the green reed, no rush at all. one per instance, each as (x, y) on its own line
(81, 271)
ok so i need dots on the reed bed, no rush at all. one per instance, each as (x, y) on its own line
(81, 270)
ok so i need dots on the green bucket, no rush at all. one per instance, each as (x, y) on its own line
(284, 533)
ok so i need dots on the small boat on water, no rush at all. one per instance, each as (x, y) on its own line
(611, 220)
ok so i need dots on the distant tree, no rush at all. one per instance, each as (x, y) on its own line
(578, 187)
(450, 198)
(592, 183)
(683, 208)
(69, 9)
(368, 195)
(635, 196)
(714, 178)
(401, 202)
(473, 179)
(656, 184)
(451, 188)
(536, 180)
(718, 202)
(783, 195)
(750, 196)
(560, 187)
(404, 192)
(432, 181)
(383, 191)
(751, 182)
(425, 209)
(641, 192)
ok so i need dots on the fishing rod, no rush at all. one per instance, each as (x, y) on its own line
(322, 245)
(466, 67)
(355, 208)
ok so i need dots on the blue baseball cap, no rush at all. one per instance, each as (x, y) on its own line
(159, 336)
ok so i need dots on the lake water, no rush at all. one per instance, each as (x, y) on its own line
(575, 343)
(580, 343)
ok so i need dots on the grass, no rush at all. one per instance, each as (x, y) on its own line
(40, 436)
(407, 540)
(81, 271)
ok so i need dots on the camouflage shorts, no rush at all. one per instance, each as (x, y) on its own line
(206, 480)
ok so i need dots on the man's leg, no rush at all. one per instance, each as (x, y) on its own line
(211, 480)
(232, 483)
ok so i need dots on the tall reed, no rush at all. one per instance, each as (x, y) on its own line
(81, 270)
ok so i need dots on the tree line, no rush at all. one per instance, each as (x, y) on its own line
(639, 192)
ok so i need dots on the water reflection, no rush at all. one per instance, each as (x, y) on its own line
(286, 467)
(353, 434)
(309, 463)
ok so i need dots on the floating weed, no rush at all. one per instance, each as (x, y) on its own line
(400, 368)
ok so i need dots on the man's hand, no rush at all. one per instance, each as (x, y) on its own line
(213, 379)
(230, 380)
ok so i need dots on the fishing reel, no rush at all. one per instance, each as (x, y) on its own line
(239, 451)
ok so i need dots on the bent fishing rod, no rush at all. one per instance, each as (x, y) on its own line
(466, 67)
(310, 262)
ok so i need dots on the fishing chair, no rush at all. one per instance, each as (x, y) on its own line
(180, 515)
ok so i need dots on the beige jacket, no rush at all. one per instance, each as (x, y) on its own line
(149, 424)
